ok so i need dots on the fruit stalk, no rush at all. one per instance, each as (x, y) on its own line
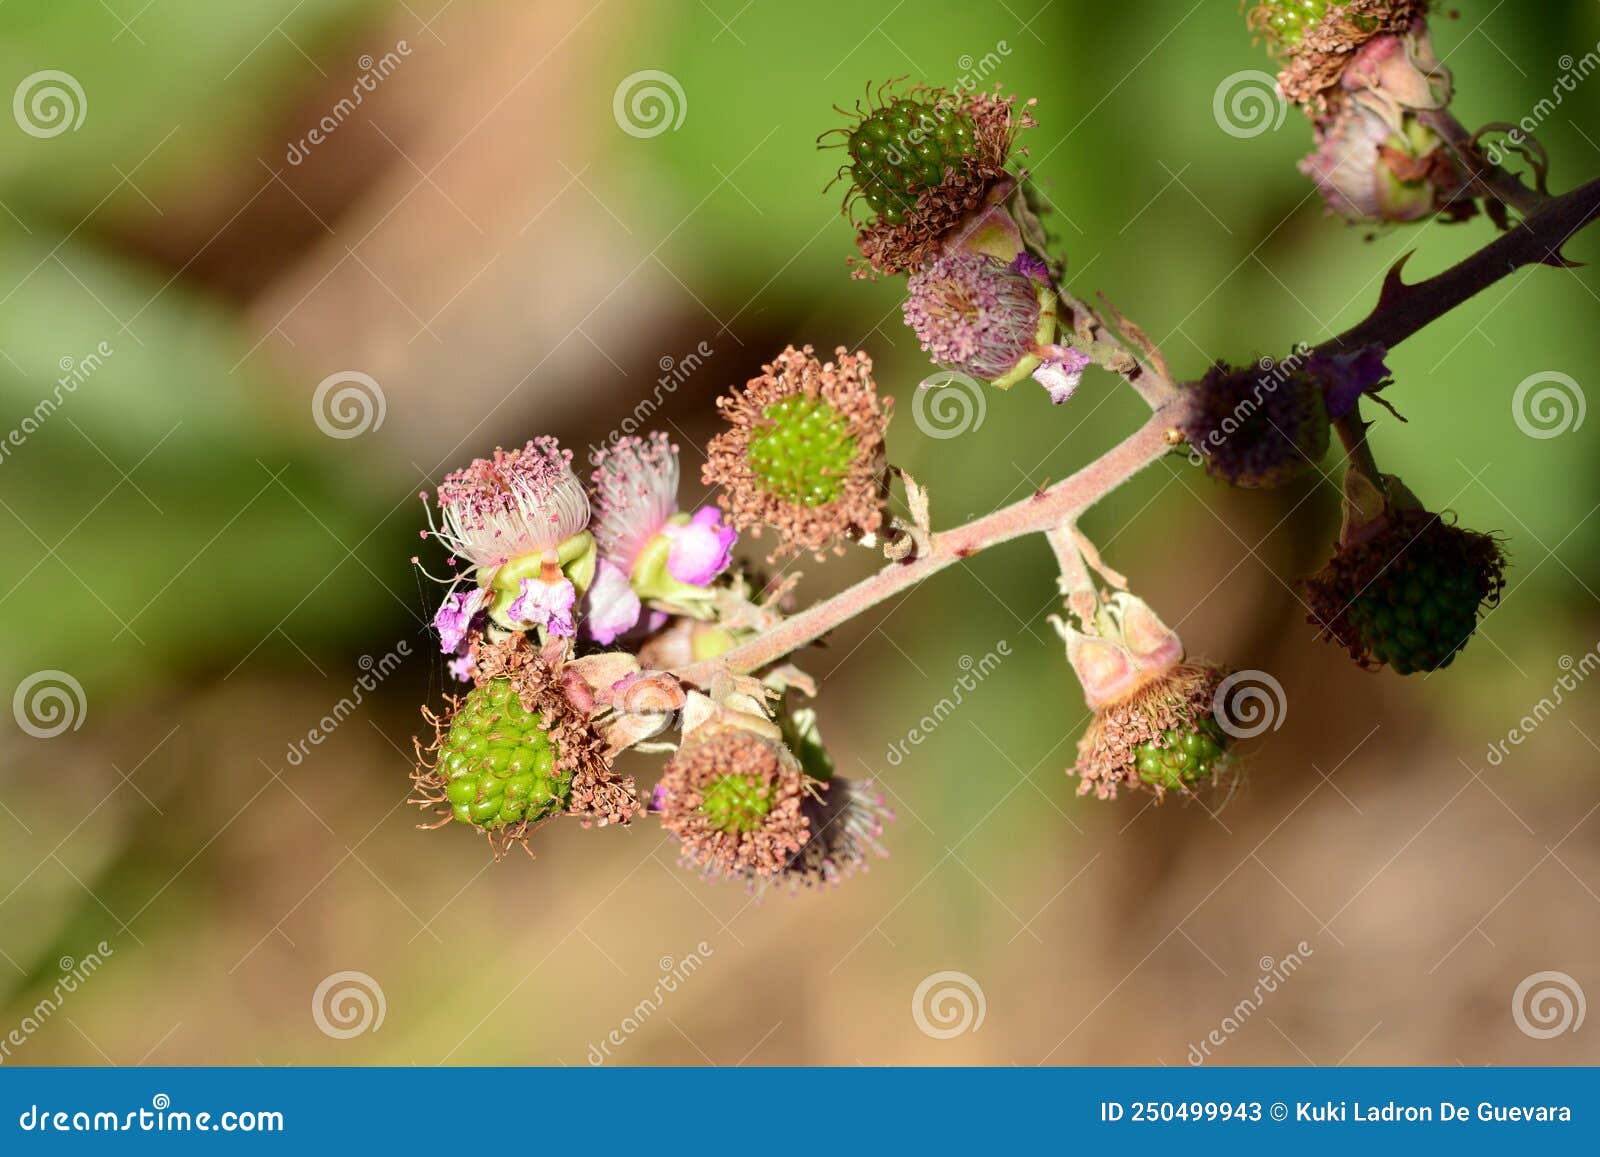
(1402, 310)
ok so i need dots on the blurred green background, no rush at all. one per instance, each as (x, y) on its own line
(480, 238)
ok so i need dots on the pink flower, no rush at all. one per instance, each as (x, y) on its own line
(636, 499)
(519, 502)
(453, 619)
(974, 313)
(612, 607)
(700, 548)
(636, 491)
(548, 605)
(462, 667)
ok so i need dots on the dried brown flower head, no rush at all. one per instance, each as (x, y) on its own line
(1159, 737)
(805, 451)
(1407, 590)
(736, 799)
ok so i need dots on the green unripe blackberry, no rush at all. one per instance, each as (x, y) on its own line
(1419, 617)
(1182, 758)
(803, 450)
(498, 761)
(903, 147)
(1407, 590)
(736, 803)
(1287, 20)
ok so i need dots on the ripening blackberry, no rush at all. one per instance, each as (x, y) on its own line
(517, 750)
(922, 161)
(1154, 722)
(1181, 759)
(1407, 591)
(1318, 39)
(903, 147)
(1286, 21)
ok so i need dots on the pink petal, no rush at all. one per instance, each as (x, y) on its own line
(454, 617)
(611, 607)
(700, 551)
(548, 605)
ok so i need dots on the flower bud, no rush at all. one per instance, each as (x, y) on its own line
(1370, 172)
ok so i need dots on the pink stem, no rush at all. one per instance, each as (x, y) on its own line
(1402, 311)
(1036, 514)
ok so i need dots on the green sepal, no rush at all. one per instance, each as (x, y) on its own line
(1044, 336)
(577, 557)
(652, 580)
(804, 738)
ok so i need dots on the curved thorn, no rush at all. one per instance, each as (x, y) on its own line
(1394, 283)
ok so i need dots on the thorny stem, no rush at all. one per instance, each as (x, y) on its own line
(1492, 179)
(1402, 310)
